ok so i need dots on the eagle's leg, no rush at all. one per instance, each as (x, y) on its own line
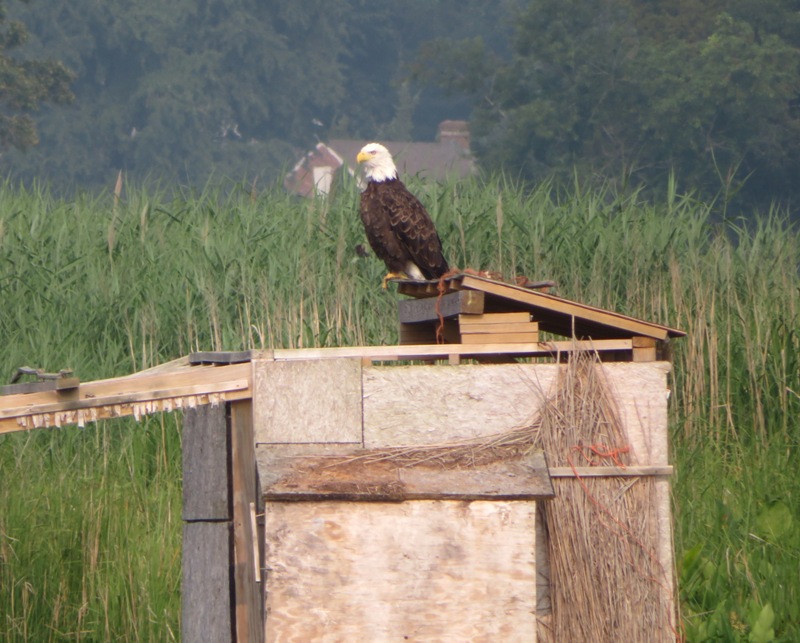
(392, 275)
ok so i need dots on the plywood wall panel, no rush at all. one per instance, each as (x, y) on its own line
(413, 405)
(412, 571)
(307, 401)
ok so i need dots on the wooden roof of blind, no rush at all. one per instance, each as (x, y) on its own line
(554, 314)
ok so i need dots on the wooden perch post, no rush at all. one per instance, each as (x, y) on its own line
(221, 599)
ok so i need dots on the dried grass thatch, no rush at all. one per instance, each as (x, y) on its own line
(606, 580)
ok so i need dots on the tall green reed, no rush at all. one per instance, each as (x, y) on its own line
(109, 286)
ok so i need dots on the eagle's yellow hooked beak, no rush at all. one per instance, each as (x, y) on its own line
(363, 156)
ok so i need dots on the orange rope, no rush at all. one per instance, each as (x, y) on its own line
(441, 288)
(602, 451)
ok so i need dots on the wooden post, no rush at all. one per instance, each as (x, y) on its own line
(249, 602)
(206, 579)
(221, 600)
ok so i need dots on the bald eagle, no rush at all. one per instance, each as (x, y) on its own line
(398, 228)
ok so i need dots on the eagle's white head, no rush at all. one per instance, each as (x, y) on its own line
(378, 163)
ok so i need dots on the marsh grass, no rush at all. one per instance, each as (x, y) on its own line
(90, 519)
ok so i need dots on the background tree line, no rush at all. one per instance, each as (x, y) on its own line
(621, 89)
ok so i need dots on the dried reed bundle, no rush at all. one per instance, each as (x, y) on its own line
(606, 582)
(461, 454)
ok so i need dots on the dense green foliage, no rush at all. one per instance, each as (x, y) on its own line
(90, 518)
(709, 90)
(24, 86)
(183, 90)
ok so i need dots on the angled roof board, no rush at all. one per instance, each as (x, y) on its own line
(554, 314)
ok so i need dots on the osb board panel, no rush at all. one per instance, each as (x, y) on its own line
(412, 571)
(307, 401)
(414, 405)
(352, 478)
(641, 393)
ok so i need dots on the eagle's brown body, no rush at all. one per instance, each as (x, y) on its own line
(398, 228)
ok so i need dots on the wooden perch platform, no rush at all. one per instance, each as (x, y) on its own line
(472, 310)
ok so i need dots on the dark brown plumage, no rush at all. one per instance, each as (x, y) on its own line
(398, 227)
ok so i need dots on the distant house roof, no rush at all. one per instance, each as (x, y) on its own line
(449, 156)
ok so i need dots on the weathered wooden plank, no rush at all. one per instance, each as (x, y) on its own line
(59, 418)
(131, 389)
(443, 351)
(411, 311)
(499, 338)
(220, 357)
(422, 571)
(86, 403)
(610, 472)
(361, 480)
(271, 458)
(307, 401)
(425, 332)
(494, 318)
(206, 583)
(511, 327)
(62, 384)
(206, 464)
(248, 606)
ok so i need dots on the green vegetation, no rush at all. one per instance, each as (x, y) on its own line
(25, 86)
(187, 90)
(706, 89)
(90, 518)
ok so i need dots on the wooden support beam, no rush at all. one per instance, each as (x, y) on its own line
(206, 567)
(248, 601)
(500, 338)
(359, 479)
(444, 351)
(644, 349)
(206, 583)
(220, 487)
(610, 472)
(495, 318)
(413, 311)
(206, 464)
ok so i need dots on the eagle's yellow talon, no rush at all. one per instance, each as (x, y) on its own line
(392, 275)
